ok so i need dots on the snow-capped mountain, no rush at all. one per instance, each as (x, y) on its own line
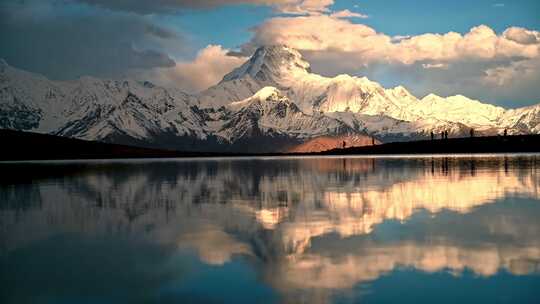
(270, 103)
(285, 69)
(382, 112)
(132, 112)
(457, 109)
(96, 109)
(269, 111)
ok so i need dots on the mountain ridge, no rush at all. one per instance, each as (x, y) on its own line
(272, 100)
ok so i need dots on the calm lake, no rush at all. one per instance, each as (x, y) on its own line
(441, 229)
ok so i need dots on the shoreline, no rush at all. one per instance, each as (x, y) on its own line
(22, 146)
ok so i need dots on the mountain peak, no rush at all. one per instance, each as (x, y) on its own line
(270, 63)
(267, 92)
(431, 97)
(401, 91)
(279, 54)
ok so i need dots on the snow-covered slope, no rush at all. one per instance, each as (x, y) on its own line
(269, 112)
(457, 109)
(29, 101)
(522, 120)
(391, 129)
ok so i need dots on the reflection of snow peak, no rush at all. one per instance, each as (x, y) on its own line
(270, 217)
(355, 213)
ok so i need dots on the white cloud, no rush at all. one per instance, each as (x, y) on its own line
(348, 14)
(318, 33)
(327, 33)
(208, 67)
(434, 65)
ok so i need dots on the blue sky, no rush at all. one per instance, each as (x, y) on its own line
(415, 17)
(163, 39)
(228, 26)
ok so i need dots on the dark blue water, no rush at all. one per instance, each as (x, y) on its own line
(272, 230)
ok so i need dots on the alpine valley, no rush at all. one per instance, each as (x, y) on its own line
(272, 103)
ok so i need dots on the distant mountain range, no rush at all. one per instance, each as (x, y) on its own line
(271, 103)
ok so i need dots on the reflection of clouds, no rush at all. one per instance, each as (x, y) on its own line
(213, 245)
(312, 222)
(369, 263)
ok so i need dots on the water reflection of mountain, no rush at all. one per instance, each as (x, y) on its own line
(318, 218)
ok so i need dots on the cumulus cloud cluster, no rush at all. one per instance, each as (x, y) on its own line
(325, 33)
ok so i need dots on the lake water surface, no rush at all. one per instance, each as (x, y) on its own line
(442, 229)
